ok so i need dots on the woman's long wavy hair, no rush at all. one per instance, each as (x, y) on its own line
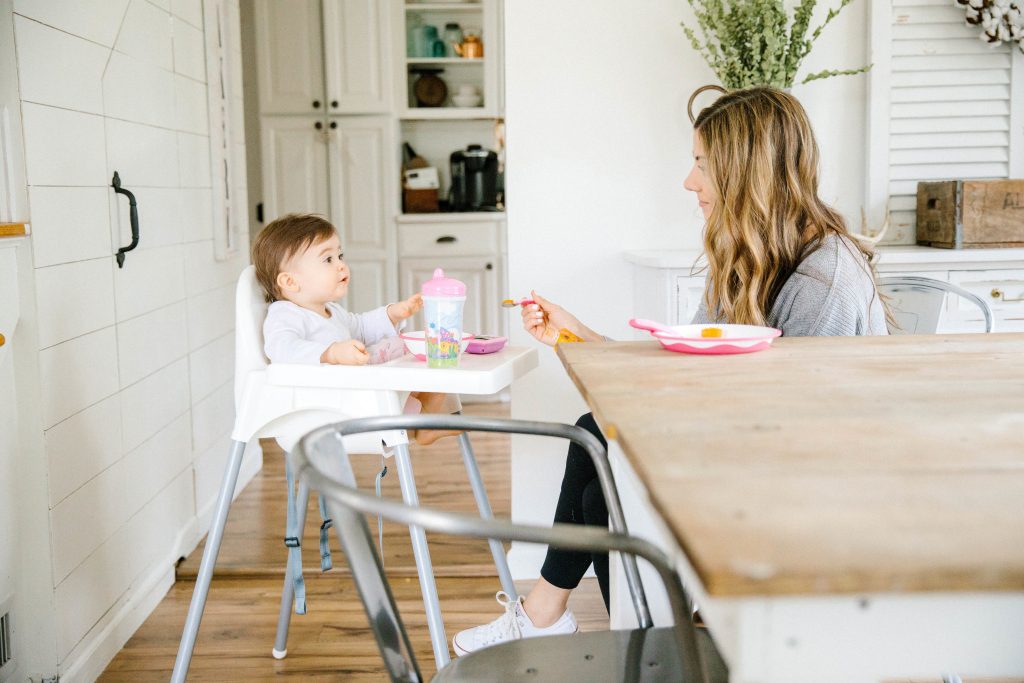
(761, 161)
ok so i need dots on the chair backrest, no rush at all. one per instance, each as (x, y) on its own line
(917, 303)
(250, 312)
(322, 461)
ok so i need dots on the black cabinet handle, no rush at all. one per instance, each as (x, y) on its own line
(316, 104)
(334, 104)
(318, 125)
(259, 212)
(133, 212)
(446, 239)
(489, 266)
(334, 124)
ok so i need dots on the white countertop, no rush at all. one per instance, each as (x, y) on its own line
(895, 255)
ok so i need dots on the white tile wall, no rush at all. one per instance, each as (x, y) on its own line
(72, 81)
(146, 35)
(144, 156)
(69, 224)
(87, 518)
(193, 115)
(189, 51)
(210, 315)
(74, 299)
(153, 403)
(151, 341)
(194, 160)
(95, 20)
(82, 446)
(159, 217)
(150, 279)
(76, 374)
(189, 10)
(157, 462)
(138, 91)
(63, 147)
(196, 214)
(213, 416)
(203, 273)
(211, 366)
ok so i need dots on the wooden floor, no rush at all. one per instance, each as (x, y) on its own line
(332, 641)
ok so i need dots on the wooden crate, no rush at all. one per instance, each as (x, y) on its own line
(961, 214)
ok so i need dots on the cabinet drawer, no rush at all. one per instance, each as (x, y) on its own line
(1002, 289)
(449, 239)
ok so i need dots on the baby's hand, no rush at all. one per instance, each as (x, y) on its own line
(405, 309)
(351, 352)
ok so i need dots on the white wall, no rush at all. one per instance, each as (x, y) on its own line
(599, 144)
(135, 364)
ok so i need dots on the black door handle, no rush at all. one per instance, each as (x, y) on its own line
(316, 104)
(334, 124)
(318, 125)
(133, 212)
(446, 239)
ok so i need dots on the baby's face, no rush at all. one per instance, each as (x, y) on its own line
(320, 273)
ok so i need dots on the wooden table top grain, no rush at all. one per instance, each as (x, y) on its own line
(827, 464)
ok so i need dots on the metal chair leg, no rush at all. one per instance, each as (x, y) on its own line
(483, 504)
(420, 551)
(202, 587)
(284, 618)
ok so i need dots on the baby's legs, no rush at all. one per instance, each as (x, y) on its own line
(440, 404)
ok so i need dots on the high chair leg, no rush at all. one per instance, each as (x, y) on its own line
(420, 551)
(202, 587)
(483, 504)
(284, 618)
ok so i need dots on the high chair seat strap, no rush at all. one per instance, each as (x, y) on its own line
(293, 539)
(325, 548)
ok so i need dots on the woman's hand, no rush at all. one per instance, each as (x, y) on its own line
(544, 319)
(351, 352)
(405, 309)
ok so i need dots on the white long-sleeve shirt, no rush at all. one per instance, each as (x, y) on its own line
(293, 334)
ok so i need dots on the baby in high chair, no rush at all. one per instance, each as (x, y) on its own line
(300, 266)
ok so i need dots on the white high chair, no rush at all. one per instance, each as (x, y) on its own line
(286, 411)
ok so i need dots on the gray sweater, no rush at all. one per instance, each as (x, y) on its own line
(831, 294)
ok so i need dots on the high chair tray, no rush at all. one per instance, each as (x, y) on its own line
(476, 374)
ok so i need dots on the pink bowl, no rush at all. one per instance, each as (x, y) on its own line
(416, 343)
(734, 339)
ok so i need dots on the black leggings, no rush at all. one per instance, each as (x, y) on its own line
(579, 502)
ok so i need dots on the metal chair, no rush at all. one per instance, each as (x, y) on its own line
(679, 653)
(917, 302)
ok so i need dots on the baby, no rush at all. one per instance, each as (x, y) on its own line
(300, 266)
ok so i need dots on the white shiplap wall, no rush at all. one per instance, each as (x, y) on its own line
(136, 363)
(944, 105)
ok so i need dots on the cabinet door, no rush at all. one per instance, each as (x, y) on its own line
(356, 49)
(480, 273)
(289, 56)
(360, 166)
(294, 166)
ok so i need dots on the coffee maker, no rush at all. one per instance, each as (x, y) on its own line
(474, 180)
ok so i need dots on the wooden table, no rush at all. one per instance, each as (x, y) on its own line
(843, 508)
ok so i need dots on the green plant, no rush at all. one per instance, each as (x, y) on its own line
(753, 42)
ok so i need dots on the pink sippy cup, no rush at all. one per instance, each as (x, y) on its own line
(443, 301)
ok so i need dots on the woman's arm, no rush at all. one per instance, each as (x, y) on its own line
(545, 319)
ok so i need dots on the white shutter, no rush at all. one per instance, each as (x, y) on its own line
(951, 105)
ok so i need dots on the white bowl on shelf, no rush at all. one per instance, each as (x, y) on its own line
(467, 100)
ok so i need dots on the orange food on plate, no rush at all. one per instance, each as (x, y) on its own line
(711, 332)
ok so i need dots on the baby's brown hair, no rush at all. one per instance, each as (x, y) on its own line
(282, 239)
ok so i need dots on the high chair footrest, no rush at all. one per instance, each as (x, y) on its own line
(279, 654)
(291, 542)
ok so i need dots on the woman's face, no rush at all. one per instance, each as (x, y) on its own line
(696, 182)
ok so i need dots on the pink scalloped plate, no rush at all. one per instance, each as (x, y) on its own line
(735, 339)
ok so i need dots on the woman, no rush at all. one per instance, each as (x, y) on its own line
(777, 255)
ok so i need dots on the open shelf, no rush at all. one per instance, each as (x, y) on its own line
(447, 113)
(443, 7)
(443, 60)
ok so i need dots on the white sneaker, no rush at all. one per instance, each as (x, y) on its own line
(512, 625)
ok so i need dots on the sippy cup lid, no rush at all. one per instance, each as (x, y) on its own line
(440, 285)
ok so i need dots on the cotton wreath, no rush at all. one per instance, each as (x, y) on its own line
(1001, 20)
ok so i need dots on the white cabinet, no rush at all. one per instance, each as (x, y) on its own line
(668, 285)
(289, 56)
(356, 56)
(480, 274)
(469, 247)
(294, 166)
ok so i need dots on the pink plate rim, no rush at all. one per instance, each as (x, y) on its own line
(770, 333)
